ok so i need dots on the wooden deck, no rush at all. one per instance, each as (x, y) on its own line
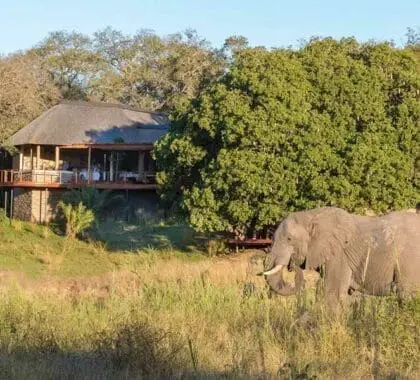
(56, 179)
(114, 185)
(249, 243)
(97, 185)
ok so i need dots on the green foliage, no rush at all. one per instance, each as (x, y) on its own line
(333, 123)
(97, 201)
(413, 38)
(119, 140)
(3, 218)
(143, 70)
(27, 90)
(72, 61)
(78, 218)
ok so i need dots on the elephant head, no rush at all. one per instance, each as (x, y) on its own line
(306, 240)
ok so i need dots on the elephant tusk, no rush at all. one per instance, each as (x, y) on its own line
(276, 269)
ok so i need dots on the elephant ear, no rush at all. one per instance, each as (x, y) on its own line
(330, 232)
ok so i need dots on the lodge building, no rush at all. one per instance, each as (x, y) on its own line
(81, 144)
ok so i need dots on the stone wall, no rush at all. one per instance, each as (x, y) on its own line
(22, 204)
(45, 204)
(36, 205)
(41, 206)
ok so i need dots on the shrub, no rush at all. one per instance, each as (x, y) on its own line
(3, 218)
(78, 218)
(93, 199)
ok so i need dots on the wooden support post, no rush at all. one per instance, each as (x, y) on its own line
(38, 157)
(11, 204)
(57, 157)
(5, 202)
(45, 205)
(104, 169)
(116, 165)
(40, 207)
(141, 166)
(89, 162)
(111, 167)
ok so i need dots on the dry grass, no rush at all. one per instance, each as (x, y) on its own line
(159, 313)
(171, 318)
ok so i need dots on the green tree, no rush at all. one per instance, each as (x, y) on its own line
(152, 72)
(71, 60)
(413, 38)
(26, 90)
(229, 159)
(334, 123)
(144, 70)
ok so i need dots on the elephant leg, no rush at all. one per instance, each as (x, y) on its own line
(337, 281)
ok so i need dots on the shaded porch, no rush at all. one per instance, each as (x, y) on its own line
(118, 165)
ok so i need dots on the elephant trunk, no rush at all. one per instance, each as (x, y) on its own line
(276, 282)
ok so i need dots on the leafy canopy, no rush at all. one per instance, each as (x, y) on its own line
(333, 123)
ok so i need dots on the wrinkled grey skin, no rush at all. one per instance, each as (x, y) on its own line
(371, 255)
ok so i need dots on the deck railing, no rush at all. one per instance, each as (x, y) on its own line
(75, 177)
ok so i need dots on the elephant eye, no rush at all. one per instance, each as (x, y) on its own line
(289, 238)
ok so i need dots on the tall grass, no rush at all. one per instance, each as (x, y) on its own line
(79, 311)
(203, 329)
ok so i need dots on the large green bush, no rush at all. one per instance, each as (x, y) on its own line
(333, 123)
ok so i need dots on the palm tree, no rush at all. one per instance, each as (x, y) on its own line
(78, 218)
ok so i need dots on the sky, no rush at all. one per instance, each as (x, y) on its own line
(23, 23)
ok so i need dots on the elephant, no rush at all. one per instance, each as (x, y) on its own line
(372, 255)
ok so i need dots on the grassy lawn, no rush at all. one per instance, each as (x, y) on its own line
(122, 237)
(35, 250)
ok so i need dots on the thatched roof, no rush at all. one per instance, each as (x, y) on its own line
(70, 123)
